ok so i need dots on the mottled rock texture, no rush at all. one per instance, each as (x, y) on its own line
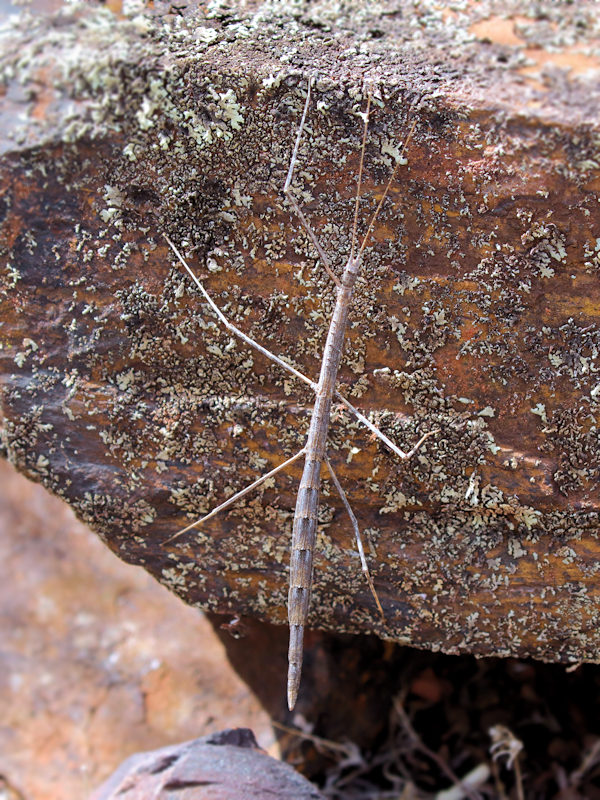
(477, 313)
(97, 660)
(224, 766)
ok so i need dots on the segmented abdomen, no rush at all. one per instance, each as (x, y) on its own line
(307, 503)
(301, 568)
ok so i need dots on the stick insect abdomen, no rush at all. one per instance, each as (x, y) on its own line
(307, 503)
(301, 568)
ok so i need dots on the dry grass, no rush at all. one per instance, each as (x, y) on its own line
(461, 728)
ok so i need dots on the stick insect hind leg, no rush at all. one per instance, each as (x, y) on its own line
(280, 467)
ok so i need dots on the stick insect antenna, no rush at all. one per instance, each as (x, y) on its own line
(288, 193)
(367, 235)
(360, 174)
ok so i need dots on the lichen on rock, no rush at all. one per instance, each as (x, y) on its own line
(476, 314)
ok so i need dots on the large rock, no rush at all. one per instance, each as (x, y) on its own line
(98, 661)
(477, 314)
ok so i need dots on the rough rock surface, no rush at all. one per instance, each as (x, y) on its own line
(224, 766)
(97, 660)
(477, 314)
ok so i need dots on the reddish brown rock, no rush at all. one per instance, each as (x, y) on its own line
(477, 315)
(97, 660)
(224, 766)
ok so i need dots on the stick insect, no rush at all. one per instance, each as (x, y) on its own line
(315, 449)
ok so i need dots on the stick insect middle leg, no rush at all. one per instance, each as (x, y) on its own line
(238, 495)
(297, 374)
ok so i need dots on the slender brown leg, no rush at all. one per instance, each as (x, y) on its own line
(359, 544)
